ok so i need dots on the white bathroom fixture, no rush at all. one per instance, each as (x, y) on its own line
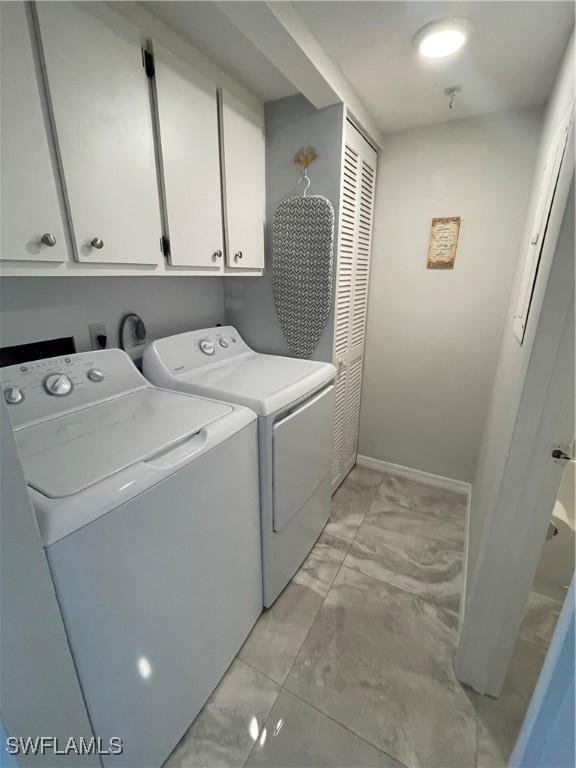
(442, 38)
(147, 503)
(294, 400)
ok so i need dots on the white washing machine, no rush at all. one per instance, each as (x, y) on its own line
(148, 504)
(294, 400)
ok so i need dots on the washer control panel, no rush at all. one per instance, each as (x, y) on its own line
(197, 349)
(46, 387)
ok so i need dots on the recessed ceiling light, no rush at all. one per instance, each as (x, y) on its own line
(442, 38)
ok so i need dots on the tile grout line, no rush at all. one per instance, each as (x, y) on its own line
(427, 597)
(253, 747)
(328, 590)
(532, 644)
(249, 664)
(424, 599)
(341, 725)
(340, 566)
(283, 685)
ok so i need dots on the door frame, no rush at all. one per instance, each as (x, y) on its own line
(514, 532)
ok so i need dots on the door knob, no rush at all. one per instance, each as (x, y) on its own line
(559, 455)
(238, 256)
(48, 239)
(97, 243)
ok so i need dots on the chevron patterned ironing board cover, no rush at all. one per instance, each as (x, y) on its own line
(302, 245)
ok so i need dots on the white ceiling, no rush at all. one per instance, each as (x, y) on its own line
(210, 32)
(510, 61)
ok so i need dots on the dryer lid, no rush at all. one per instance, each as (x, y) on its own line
(66, 454)
(264, 383)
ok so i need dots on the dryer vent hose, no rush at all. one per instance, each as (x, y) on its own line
(138, 329)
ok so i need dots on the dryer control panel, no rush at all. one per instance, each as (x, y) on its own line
(47, 387)
(196, 349)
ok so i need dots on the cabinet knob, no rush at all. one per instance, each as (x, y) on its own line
(216, 255)
(48, 239)
(238, 256)
(97, 243)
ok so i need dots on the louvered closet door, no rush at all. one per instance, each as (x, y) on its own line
(353, 273)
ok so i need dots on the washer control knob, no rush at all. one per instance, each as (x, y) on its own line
(95, 375)
(58, 384)
(224, 342)
(207, 346)
(13, 395)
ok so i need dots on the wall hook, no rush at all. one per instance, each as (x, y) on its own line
(304, 157)
(305, 178)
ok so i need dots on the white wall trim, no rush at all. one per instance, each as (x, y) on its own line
(418, 475)
(465, 568)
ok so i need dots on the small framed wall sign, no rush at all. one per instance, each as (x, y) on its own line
(443, 242)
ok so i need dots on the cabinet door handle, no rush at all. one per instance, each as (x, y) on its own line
(48, 239)
(238, 256)
(97, 243)
(216, 255)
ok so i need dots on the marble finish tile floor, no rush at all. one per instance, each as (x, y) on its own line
(353, 664)
(222, 736)
(378, 660)
(540, 619)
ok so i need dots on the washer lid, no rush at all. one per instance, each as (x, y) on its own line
(264, 383)
(66, 454)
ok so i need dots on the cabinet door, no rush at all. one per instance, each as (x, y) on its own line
(351, 303)
(187, 114)
(30, 209)
(244, 183)
(101, 104)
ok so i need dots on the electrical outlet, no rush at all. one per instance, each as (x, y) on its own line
(98, 334)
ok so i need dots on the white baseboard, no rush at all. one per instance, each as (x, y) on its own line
(465, 574)
(438, 481)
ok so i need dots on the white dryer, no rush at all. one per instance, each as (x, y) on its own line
(294, 400)
(148, 505)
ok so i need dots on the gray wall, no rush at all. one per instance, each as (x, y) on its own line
(433, 335)
(33, 308)
(40, 693)
(513, 361)
(290, 124)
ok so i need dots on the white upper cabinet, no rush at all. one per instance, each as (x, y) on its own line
(189, 156)
(101, 104)
(244, 183)
(31, 218)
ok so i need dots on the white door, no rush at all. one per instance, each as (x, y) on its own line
(100, 98)
(31, 219)
(351, 302)
(189, 155)
(244, 183)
